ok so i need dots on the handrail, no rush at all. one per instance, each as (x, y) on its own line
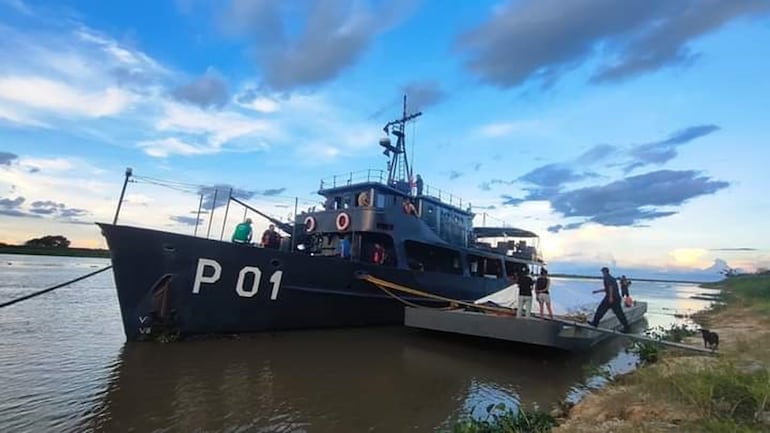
(353, 177)
(380, 177)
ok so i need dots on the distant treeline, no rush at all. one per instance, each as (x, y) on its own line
(53, 251)
(652, 280)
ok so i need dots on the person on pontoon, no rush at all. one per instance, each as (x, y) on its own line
(624, 284)
(525, 283)
(611, 300)
(543, 292)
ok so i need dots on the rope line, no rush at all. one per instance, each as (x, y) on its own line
(50, 289)
(383, 283)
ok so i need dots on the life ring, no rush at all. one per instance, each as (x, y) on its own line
(343, 221)
(309, 224)
(363, 199)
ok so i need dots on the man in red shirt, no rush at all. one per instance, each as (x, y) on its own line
(378, 255)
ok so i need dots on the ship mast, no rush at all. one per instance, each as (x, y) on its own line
(398, 166)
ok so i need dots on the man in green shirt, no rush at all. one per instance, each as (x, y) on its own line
(243, 232)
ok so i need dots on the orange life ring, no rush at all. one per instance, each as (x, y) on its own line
(343, 221)
(309, 224)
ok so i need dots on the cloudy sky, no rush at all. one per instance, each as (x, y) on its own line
(628, 133)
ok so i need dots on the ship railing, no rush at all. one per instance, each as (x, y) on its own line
(444, 196)
(354, 177)
(381, 177)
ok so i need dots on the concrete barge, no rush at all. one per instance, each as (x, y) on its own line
(559, 333)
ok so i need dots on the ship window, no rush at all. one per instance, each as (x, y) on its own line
(432, 258)
(483, 266)
(513, 268)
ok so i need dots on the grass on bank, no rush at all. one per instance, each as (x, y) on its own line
(501, 419)
(728, 393)
(683, 393)
(749, 290)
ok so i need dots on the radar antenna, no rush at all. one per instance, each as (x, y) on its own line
(399, 172)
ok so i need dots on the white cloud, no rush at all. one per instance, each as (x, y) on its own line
(118, 52)
(71, 71)
(17, 5)
(17, 116)
(262, 105)
(495, 130)
(168, 146)
(53, 96)
(218, 127)
(49, 164)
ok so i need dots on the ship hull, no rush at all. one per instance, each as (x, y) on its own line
(171, 284)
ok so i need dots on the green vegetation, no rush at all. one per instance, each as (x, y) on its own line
(52, 245)
(650, 353)
(57, 241)
(747, 290)
(724, 395)
(730, 393)
(501, 419)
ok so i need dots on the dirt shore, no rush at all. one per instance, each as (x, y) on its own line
(667, 396)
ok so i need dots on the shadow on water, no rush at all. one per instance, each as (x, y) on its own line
(382, 379)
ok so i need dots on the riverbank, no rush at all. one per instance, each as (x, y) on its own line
(686, 393)
(65, 252)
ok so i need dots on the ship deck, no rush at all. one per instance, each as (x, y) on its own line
(559, 333)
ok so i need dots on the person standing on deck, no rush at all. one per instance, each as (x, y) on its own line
(270, 238)
(378, 255)
(343, 248)
(525, 294)
(543, 291)
(242, 233)
(418, 184)
(611, 300)
(624, 284)
(409, 208)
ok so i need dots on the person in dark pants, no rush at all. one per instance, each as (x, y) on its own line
(525, 284)
(611, 301)
(418, 184)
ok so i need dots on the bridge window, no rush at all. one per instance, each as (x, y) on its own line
(482, 266)
(432, 258)
(513, 268)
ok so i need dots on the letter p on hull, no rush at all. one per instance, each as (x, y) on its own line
(200, 276)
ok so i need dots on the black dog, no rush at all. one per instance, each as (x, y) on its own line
(710, 339)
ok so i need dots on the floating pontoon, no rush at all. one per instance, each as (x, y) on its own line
(559, 333)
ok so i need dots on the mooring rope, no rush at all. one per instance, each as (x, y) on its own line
(50, 289)
(383, 283)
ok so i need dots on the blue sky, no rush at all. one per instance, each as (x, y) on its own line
(630, 133)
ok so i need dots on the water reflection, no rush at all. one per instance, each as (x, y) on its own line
(381, 380)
